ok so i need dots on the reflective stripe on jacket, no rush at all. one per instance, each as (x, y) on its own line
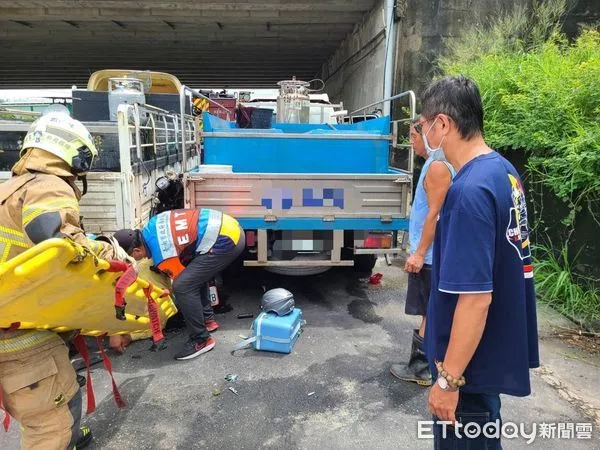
(173, 238)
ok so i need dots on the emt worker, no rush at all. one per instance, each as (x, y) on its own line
(434, 181)
(192, 246)
(481, 335)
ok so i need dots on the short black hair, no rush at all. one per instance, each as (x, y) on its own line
(459, 98)
(128, 239)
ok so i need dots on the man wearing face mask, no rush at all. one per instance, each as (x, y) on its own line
(434, 181)
(481, 336)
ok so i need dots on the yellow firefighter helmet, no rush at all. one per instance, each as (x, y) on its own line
(58, 133)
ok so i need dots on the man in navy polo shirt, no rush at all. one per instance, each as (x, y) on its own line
(481, 337)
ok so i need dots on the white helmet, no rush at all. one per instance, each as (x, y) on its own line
(58, 133)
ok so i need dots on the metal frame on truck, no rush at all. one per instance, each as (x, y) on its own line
(147, 142)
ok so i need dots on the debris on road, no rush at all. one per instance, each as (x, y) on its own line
(216, 392)
(375, 278)
(158, 347)
(587, 341)
(232, 378)
(233, 390)
(245, 316)
(311, 394)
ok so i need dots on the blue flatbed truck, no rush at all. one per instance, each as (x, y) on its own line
(310, 196)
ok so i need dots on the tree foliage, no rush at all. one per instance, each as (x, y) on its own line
(541, 95)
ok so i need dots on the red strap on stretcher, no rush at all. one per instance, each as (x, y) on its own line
(81, 346)
(107, 364)
(127, 279)
(13, 327)
(157, 334)
(117, 266)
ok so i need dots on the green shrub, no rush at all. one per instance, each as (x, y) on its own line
(541, 95)
(546, 102)
(559, 286)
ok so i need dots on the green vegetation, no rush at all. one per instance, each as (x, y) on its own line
(559, 286)
(541, 95)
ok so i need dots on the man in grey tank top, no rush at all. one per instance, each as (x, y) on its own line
(434, 182)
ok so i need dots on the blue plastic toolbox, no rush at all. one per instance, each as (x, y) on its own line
(275, 333)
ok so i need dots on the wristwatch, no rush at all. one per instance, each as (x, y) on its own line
(444, 385)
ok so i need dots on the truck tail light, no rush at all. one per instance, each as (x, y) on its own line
(250, 238)
(378, 240)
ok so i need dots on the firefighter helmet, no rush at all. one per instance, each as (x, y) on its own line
(58, 133)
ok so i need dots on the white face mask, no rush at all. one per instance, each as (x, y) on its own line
(437, 154)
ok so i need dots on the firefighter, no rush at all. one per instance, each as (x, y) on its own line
(41, 201)
(192, 246)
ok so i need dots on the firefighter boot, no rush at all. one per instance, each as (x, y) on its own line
(417, 369)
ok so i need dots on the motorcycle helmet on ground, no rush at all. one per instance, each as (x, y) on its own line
(279, 300)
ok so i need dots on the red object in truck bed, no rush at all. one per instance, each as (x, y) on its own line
(227, 103)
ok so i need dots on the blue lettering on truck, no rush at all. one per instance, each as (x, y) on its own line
(282, 198)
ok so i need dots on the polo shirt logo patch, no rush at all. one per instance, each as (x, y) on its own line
(517, 232)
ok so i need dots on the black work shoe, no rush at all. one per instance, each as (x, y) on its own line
(191, 349)
(85, 437)
(406, 372)
(417, 369)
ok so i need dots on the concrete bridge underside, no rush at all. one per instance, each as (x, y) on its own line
(217, 43)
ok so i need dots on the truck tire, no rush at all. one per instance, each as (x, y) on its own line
(364, 263)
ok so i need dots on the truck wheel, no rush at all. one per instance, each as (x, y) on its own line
(364, 263)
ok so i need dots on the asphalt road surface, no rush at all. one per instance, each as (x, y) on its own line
(334, 391)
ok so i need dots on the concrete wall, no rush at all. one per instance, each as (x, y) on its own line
(354, 74)
(424, 24)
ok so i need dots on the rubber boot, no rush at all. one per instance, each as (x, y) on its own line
(417, 369)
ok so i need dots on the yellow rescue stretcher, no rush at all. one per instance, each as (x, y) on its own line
(57, 285)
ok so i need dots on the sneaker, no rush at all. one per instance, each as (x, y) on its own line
(211, 325)
(81, 380)
(85, 437)
(191, 349)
